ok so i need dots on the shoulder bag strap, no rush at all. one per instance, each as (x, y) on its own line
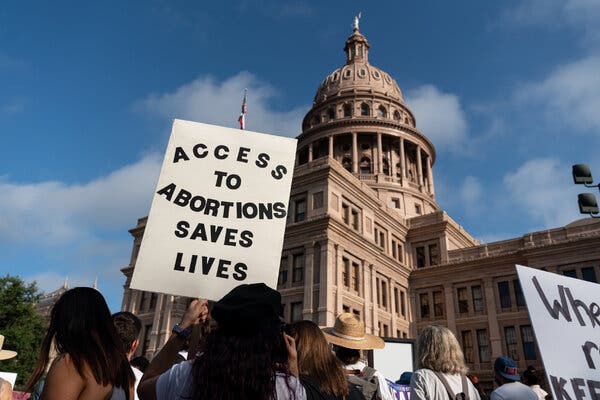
(465, 387)
(442, 379)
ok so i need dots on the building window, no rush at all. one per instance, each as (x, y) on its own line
(380, 236)
(365, 165)
(365, 111)
(347, 164)
(346, 213)
(420, 256)
(438, 303)
(396, 115)
(346, 272)
(384, 298)
(434, 254)
(519, 297)
(463, 300)
(477, 295)
(351, 215)
(418, 209)
(396, 202)
(467, 342)
(300, 210)
(355, 277)
(504, 294)
(402, 303)
(331, 113)
(483, 345)
(296, 311)
(355, 219)
(424, 300)
(510, 338)
(396, 301)
(588, 274)
(153, 298)
(386, 331)
(298, 268)
(146, 346)
(381, 112)
(347, 110)
(317, 200)
(571, 273)
(528, 342)
(356, 313)
(283, 271)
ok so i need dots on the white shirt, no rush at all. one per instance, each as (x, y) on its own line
(176, 384)
(541, 393)
(383, 385)
(425, 385)
(513, 390)
(138, 375)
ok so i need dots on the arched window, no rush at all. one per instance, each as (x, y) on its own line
(365, 165)
(347, 110)
(381, 112)
(396, 115)
(331, 113)
(406, 120)
(316, 120)
(365, 111)
(347, 163)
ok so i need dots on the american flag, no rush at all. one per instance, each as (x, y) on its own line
(242, 117)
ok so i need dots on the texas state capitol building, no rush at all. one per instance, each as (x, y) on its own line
(366, 235)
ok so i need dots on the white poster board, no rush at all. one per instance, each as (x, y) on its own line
(395, 358)
(565, 314)
(218, 214)
(11, 377)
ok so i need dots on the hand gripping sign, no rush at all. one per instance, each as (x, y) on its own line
(565, 314)
(218, 214)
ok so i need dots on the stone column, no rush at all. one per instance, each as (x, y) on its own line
(430, 176)
(307, 304)
(419, 167)
(392, 298)
(331, 146)
(355, 152)
(379, 154)
(310, 151)
(402, 162)
(165, 329)
(368, 298)
(154, 333)
(494, 329)
(449, 304)
(326, 295)
(339, 281)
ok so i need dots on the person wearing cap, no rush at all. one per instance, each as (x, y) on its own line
(349, 337)
(5, 387)
(507, 378)
(247, 356)
(442, 369)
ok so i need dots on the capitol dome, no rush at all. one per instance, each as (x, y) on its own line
(358, 75)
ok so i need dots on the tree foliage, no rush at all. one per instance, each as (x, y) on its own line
(23, 328)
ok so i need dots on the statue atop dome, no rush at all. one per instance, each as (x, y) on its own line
(356, 21)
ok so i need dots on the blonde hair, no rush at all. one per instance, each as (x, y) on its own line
(439, 351)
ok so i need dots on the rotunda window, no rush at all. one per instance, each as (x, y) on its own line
(381, 112)
(347, 110)
(386, 166)
(335, 76)
(396, 115)
(348, 73)
(365, 165)
(362, 72)
(331, 113)
(365, 146)
(376, 74)
(365, 110)
(347, 163)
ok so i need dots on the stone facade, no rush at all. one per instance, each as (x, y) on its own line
(365, 235)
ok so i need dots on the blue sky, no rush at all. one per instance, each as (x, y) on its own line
(509, 92)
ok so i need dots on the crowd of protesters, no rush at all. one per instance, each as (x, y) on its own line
(242, 350)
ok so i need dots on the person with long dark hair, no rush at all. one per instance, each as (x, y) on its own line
(321, 372)
(247, 356)
(91, 363)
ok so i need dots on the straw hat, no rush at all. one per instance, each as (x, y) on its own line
(349, 332)
(5, 354)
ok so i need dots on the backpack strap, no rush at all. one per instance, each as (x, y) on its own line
(465, 387)
(444, 381)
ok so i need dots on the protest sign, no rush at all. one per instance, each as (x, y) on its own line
(10, 377)
(565, 314)
(218, 214)
(396, 357)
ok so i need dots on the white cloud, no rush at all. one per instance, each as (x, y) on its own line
(208, 101)
(56, 213)
(579, 14)
(570, 93)
(470, 194)
(543, 189)
(439, 116)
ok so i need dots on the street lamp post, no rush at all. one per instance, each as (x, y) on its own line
(582, 175)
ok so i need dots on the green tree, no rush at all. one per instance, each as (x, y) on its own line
(23, 328)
